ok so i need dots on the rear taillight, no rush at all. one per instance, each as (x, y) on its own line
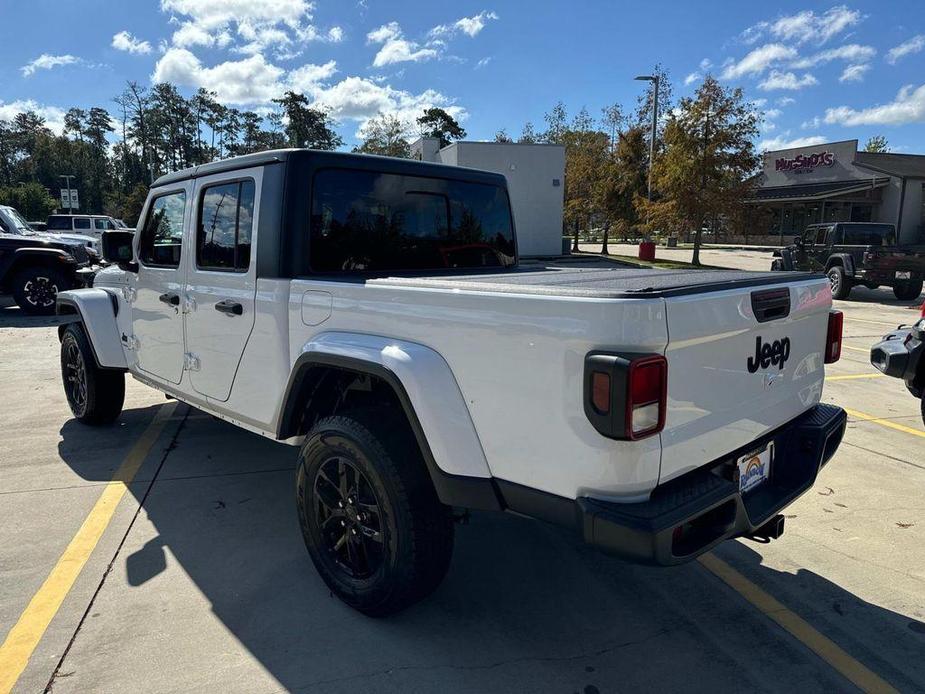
(923, 310)
(833, 337)
(626, 394)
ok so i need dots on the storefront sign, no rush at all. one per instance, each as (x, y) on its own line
(803, 163)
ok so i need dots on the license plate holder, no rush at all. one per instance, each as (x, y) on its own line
(754, 468)
(903, 275)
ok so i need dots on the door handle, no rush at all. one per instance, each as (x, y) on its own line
(170, 299)
(232, 308)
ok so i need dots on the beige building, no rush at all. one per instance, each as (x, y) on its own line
(535, 176)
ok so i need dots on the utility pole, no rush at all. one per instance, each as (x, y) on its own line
(67, 180)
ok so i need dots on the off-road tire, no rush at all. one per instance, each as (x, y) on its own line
(907, 290)
(35, 289)
(94, 395)
(416, 529)
(841, 286)
(923, 409)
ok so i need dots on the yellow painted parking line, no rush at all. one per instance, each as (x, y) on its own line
(851, 377)
(28, 631)
(850, 668)
(866, 350)
(885, 423)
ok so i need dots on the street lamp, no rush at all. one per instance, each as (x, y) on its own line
(654, 80)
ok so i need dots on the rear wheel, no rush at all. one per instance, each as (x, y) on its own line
(371, 520)
(35, 289)
(94, 395)
(907, 290)
(841, 287)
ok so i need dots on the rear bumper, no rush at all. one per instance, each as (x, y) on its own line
(707, 504)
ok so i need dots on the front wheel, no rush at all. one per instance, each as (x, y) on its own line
(907, 290)
(370, 517)
(35, 289)
(94, 395)
(841, 287)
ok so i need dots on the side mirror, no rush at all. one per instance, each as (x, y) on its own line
(117, 248)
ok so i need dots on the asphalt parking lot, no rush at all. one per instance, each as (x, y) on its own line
(163, 555)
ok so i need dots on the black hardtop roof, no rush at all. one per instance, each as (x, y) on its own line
(322, 158)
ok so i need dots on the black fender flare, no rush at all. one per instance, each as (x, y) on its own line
(453, 490)
(45, 255)
(844, 260)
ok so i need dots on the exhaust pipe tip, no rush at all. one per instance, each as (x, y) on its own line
(771, 530)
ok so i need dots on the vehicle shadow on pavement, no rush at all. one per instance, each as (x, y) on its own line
(11, 316)
(525, 607)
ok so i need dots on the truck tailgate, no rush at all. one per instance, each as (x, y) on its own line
(737, 368)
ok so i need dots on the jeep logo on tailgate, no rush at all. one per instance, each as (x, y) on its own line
(776, 353)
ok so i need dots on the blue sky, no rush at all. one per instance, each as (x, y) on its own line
(820, 71)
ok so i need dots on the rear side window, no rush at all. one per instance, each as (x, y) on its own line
(100, 224)
(371, 222)
(162, 234)
(59, 223)
(226, 220)
(869, 235)
(81, 223)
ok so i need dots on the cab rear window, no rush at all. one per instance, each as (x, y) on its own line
(372, 222)
(869, 235)
(58, 223)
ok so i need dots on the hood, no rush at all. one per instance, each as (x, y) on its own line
(39, 241)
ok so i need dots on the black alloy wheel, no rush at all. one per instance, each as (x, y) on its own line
(348, 515)
(74, 375)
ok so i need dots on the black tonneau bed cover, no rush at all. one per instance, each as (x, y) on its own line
(600, 283)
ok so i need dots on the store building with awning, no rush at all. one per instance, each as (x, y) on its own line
(835, 182)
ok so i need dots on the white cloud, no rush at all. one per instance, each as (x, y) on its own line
(308, 77)
(852, 53)
(395, 48)
(54, 116)
(772, 113)
(910, 47)
(470, 26)
(124, 41)
(483, 62)
(811, 124)
(907, 107)
(248, 81)
(783, 141)
(691, 78)
(785, 101)
(262, 25)
(786, 80)
(759, 60)
(854, 73)
(47, 62)
(706, 64)
(808, 26)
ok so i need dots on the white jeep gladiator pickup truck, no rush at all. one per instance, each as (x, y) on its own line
(372, 311)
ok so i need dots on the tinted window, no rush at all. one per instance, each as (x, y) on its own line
(59, 223)
(869, 235)
(100, 224)
(81, 223)
(364, 221)
(821, 233)
(162, 235)
(226, 218)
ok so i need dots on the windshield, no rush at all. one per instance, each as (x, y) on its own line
(21, 226)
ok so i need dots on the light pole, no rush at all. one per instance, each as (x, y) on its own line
(67, 180)
(654, 80)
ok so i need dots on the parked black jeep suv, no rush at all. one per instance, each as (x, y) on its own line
(856, 253)
(35, 267)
